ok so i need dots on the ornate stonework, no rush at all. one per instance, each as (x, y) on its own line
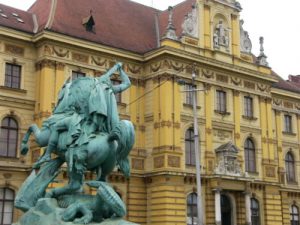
(80, 57)
(227, 160)
(98, 61)
(221, 35)
(190, 23)
(61, 52)
(13, 49)
(137, 164)
(246, 45)
(174, 161)
(159, 161)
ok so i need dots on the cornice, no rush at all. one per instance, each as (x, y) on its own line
(206, 61)
(11, 33)
(285, 93)
(44, 35)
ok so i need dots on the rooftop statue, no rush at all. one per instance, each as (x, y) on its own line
(85, 132)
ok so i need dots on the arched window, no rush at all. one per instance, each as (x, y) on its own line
(294, 215)
(255, 212)
(192, 217)
(250, 165)
(290, 167)
(8, 137)
(6, 206)
(190, 147)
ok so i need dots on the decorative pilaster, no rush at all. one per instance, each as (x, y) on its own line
(248, 207)
(207, 27)
(237, 118)
(270, 129)
(235, 35)
(208, 116)
(218, 218)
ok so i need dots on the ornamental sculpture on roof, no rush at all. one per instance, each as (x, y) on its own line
(85, 132)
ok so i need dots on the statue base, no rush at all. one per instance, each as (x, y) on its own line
(47, 212)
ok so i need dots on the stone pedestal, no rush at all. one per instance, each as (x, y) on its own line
(47, 212)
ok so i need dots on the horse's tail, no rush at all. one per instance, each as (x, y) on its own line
(124, 134)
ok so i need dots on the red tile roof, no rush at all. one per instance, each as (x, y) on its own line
(11, 21)
(121, 24)
(286, 85)
(118, 23)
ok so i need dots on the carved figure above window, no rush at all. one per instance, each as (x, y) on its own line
(221, 35)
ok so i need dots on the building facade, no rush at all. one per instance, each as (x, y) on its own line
(248, 117)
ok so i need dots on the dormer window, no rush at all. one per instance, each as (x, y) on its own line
(89, 24)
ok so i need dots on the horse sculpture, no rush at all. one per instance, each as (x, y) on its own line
(85, 132)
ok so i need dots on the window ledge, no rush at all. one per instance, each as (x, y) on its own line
(121, 104)
(252, 173)
(289, 133)
(223, 113)
(13, 89)
(292, 183)
(190, 106)
(249, 117)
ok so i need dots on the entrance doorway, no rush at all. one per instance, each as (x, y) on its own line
(226, 210)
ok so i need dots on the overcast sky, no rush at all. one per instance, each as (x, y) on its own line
(278, 22)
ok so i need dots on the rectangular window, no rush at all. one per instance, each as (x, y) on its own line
(288, 124)
(76, 74)
(221, 101)
(248, 106)
(189, 94)
(117, 95)
(12, 76)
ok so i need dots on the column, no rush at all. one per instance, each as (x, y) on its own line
(248, 207)
(235, 35)
(218, 207)
(207, 27)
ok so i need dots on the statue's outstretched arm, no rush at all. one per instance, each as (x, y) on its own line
(124, 84)
(110, 72)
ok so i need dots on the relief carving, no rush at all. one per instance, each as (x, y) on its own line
(270, 171)
(99, 61)
(177, 66)
(80, 58)
(137, 164)
(134, 68)
(277, 101)
(262, 87)
(159, 162)
(61, 52)
(208, 73)
(155, 67)
(222, 78)
(288, 104)
(235, 80)
(174, 161)
(250, 85)
(47, 50)
(13, 49)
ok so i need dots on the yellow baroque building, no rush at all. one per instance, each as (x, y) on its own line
(248, 117)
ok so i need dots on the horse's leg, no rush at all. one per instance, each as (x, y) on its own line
(74, 185)
(24, 145)
(52, 145)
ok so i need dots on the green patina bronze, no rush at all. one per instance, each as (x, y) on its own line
(85, 132)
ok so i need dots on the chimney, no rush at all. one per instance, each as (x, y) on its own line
(294, 78)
